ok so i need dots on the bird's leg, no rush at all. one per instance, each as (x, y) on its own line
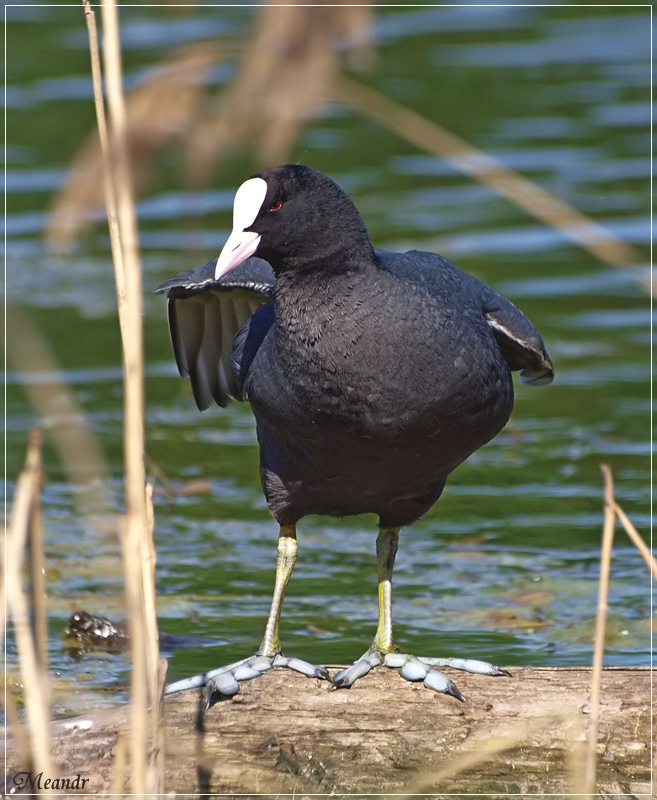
(386, 549)
(383, 651)
(224, 681)
(387, 543)
(286, 558)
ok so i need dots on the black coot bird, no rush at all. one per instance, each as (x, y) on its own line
(372, 375)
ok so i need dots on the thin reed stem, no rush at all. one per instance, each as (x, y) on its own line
(135, 478)
(157, 767)
(110, 196)
(36, 561)
(136, 528)
(636, 539)
(147, 559)
(590, 773)
(35, 680)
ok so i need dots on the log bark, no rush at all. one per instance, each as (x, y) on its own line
(286, 734)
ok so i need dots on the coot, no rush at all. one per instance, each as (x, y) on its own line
(372, 375)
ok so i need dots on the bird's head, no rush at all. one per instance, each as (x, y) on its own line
(292, 216)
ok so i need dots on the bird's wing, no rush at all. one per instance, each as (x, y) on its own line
(204, 316)
(519, 341)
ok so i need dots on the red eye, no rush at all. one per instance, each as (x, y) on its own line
(277, 206)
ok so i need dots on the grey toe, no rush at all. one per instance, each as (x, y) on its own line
(246, 672)
(309, 670)
(414, 670)
(467, 665)
(441, 683)
(220, 688)
(347, 677)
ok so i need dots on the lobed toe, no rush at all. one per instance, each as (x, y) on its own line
(441, 683)
(414, 670)
(347, 677)
(220, 688)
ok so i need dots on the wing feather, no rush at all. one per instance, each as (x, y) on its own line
(231, 322)
(519, 341)
(204, 317)
(215, 339)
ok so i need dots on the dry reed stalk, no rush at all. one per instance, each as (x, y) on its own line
(590, 772)
(148, 559)
(108, 186)
(139, 699)
(36, 561)
(525, 194)
(133, 430)
(636, 539)
(156, 666)
(34, 678)
(157, 768)
(136, 540)
(159, 473)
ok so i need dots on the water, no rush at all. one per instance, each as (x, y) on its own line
(505, 567)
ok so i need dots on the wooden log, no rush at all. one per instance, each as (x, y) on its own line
(286, 734)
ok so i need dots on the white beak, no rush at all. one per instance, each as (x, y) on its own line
(241, 243)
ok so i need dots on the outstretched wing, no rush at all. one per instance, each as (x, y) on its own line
(204, 316)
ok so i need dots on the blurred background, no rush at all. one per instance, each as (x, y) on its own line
(505, 567)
